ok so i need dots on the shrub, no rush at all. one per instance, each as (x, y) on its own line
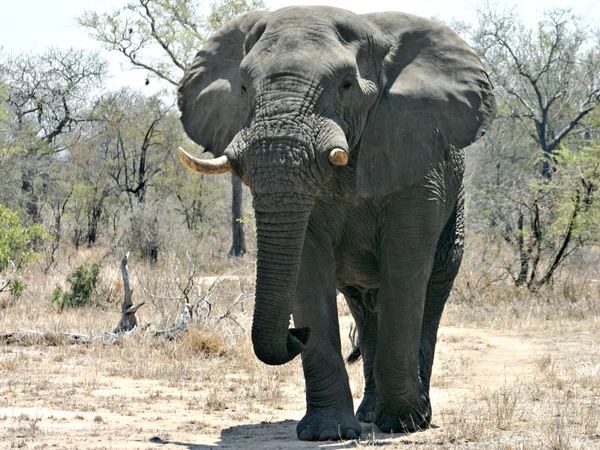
(16, 288)
(16, 249)
(83, 280)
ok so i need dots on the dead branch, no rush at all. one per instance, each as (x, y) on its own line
(51, 338)
(181, 324)
(229, 314)
(32, 337)
(204, 303)
(128, 320)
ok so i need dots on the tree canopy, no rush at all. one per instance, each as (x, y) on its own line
(162, 36)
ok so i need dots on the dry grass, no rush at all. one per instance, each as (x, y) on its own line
(514, 370)
(504, 306)
(201, 342)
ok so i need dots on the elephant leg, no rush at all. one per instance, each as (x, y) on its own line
(448, 257)
(238, 246)
(362, 306)
(407, 252)
(329, 412)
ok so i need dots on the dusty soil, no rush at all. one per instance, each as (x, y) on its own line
(74, 397)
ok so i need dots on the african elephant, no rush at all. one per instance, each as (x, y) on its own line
(349, 130)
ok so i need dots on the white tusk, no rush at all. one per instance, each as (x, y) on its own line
(205, 166)
(338, 157)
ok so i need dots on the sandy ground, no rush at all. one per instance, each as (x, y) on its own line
(51, 397)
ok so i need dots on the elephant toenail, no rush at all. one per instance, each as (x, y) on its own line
(351, 435)
(370, 417)
(386, 427)
(328, 434)
(305, 435)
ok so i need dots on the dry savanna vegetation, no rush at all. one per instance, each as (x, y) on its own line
(513, 370)
(88, 174)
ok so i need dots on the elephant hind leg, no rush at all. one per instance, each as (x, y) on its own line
(362, 305)
(448, 257)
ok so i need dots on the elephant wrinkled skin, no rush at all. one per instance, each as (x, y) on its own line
(349, 130)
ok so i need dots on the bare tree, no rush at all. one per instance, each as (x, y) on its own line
(548, 83)
(47, 99)
(133, 142)
(548, 77)
(161, 36)
(51, 92)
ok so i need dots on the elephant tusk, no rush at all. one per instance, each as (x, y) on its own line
(338, 157)
(205, 166)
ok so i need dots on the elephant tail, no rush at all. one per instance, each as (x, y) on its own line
(354, 355)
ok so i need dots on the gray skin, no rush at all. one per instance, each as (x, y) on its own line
(402, 95)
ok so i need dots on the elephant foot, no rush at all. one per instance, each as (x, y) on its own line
(366, 410)
(326, 425)
(406, 419)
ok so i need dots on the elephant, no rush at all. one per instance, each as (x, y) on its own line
(350, 131)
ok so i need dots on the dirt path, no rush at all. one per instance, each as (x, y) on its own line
(64, 402)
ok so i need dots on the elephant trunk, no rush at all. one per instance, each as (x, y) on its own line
(281, 227)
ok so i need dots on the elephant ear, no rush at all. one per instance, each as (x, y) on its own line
(209, 96)
(436, 96)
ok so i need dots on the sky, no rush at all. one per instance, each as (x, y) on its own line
(31, 25)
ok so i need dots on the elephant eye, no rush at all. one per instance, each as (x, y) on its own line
(244, 91)
(347, 83)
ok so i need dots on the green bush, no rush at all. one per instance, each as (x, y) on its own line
(16, 288)
(16, 249)
(83, 280)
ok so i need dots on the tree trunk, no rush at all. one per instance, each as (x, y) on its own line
(93, 218)
(523, 252)
(238, 246)
(30, 200)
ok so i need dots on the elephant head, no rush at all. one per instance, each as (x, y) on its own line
(307, 102)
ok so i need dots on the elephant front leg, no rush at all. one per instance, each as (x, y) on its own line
(406, 263)
(329, 409)
(402, 401)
